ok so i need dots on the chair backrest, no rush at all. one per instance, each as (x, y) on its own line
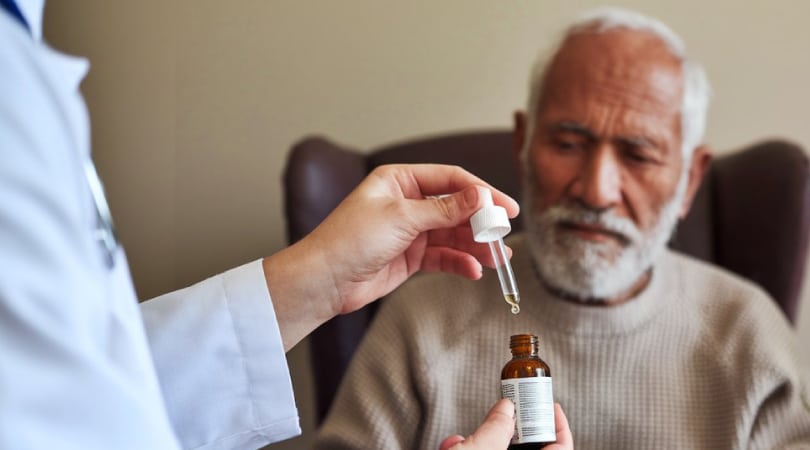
(750, 216)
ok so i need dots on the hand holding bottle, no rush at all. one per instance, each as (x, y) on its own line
(496, 431)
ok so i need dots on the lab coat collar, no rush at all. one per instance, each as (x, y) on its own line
(32, 10)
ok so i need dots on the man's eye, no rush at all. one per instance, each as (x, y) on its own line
(637, 156)
(567, 145)
(640, 157)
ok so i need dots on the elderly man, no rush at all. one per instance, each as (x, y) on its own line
(648, 348)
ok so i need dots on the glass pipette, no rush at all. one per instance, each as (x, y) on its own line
(490, 224)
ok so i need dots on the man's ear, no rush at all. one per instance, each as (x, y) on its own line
(518, 140)
(701, 159)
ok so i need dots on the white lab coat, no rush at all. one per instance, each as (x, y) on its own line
(82, 366)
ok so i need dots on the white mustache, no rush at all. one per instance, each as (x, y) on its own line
(607, 220)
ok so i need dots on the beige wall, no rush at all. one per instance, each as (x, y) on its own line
(195, 103)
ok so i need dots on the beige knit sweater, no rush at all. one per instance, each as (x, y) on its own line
(699, 360)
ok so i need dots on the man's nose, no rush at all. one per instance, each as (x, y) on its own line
(598, 185)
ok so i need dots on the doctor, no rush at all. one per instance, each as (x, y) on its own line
(84, 366)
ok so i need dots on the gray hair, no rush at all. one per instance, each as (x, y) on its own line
(696, 88)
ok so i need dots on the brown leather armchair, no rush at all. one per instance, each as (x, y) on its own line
(750, 216)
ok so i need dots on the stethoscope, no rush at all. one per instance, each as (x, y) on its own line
(105, 232)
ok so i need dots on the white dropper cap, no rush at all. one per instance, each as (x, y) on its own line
(489, 223)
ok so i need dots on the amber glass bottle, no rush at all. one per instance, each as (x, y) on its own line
(526, 380)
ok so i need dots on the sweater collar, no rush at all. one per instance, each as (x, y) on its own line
(565, 316)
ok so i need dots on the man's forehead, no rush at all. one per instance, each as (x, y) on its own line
(615, 63)
(626, 78)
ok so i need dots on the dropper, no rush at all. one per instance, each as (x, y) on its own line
(490, 224)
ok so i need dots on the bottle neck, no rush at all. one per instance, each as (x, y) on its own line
(523, 345)
(523, 351)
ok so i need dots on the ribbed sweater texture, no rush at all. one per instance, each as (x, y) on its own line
(699, 360)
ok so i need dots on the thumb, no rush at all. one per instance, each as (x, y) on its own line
(447, 210)
(495, 432)
(451, 441)
(498, 426)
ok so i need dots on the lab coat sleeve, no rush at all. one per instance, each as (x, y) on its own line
(221, 363)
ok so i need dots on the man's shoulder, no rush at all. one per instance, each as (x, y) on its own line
(732, 310)
(725, 300)
(703, 275)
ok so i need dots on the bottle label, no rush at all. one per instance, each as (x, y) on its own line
(534, 408)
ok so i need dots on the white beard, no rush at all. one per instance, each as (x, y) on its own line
(593, 271)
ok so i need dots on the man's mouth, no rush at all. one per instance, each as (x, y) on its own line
(593, 232)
